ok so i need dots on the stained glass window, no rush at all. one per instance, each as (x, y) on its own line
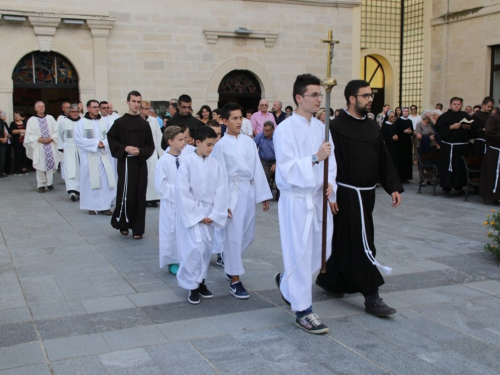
(44, 68)
(241, 82)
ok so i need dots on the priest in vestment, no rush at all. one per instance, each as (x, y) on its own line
(71, 164)
(97, 175)
(362, 161)
(40, 142)
(455, 138)
(152, 196)
(131, 142)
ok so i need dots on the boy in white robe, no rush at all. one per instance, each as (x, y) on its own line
(300, 149)
(201, 206)
(71, 159)
(165, 177)
(247, 186)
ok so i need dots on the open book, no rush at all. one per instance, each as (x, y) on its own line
(465, 121)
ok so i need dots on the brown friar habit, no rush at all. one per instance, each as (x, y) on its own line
(130, 130)
(452, 174)
(362, 161)
(192, 122)
(405, 146)
(388, 131)
(491, 163)
(477, 132)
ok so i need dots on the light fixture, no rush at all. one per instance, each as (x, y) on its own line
(243, 30)
(73, 22)
(14, 18)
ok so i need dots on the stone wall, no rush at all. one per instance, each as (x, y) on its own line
(159, 47)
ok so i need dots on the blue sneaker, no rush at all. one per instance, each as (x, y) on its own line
(238, 290)
(220, 259)
(228, 276)
(173, 268)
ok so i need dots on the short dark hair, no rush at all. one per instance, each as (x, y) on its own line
(289, 107)
(185, 99)
(413, 105)
(228, 108)
(456, 98)
(213, 123)
(204, 132)
(172, 131)
(478, 106)
(133, 93)
(440, 105)
(249, 110)
(487, 100)
(301, 83)
(89, 103)
(352, 88)
(268, 123)
(217, 110)
(21, 112)
(103, 102)
(184, 127)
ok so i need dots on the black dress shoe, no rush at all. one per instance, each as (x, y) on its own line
(380, 309)
(50, 187)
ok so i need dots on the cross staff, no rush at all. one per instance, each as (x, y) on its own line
(328, 84)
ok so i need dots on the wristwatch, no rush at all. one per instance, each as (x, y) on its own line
(315, 159)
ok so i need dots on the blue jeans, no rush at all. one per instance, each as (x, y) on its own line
(301, 314)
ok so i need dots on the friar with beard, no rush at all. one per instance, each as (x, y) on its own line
(477, 128)
(362, 161)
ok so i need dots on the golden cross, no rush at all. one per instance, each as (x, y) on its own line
(331, 46)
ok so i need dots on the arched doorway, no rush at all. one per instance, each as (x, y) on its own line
(45, 76)
(242, 87)
(373, 73)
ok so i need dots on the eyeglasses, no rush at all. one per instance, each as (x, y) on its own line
(264, 105)
(316, 95)
(367, 96)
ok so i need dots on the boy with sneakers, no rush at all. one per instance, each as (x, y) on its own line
(165, 176)
(201, 206)
(300, 147)
(247, 186)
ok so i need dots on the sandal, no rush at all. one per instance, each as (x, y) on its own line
(124, 232)
(92, 212)
(137, 237)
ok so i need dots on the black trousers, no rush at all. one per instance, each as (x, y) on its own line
(2, 158)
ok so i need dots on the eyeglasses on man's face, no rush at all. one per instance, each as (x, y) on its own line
(367, 96)
(315, 95)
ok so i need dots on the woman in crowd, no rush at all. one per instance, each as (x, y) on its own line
(17, 129)
(398, 112)
(425, 134)
(288, 110)
(205, 113)
(404, 130)
(390, 136)
(321, 115)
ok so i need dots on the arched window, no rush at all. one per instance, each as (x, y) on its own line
(44, 70)
(374, 73)
(239, 82)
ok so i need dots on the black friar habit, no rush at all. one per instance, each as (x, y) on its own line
(131, 130)
(192, 122)
(477, 132)
(405, 147)
(362, 161)
(490, 163)
(388, 131)
(452, 174)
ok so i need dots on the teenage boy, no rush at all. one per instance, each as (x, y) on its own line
(300, 147)
(247, 186)
(201, 206)
(165, 176)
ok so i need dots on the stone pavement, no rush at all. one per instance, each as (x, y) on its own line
(76, 297)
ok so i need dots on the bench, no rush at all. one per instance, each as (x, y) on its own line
(428, 169)
(473, 166)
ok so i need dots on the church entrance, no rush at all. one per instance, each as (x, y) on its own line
(373, 73)
(242, 87)
(45, 76)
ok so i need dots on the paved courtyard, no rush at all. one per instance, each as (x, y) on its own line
(76, 297)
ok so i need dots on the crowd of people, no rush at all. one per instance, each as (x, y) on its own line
(208, 171)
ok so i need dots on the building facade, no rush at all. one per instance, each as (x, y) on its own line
(54, 51)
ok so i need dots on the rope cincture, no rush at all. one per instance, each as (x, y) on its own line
(125, 190)
(498, 167)
(450, 168)
(368, 252)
